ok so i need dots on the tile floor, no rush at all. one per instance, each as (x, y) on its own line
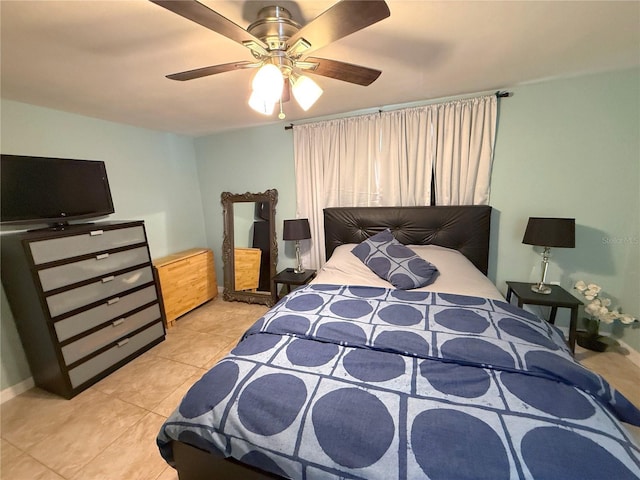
(108, 431)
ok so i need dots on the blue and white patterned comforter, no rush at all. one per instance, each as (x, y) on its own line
(365, 382)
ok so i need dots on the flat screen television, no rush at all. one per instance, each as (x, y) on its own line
(53, 191)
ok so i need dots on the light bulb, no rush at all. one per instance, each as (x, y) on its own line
(268, 83)
(261, 105)
(305, 91)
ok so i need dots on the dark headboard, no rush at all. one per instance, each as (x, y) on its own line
(463, 228)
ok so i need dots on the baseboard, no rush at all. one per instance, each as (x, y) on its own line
(633, 355)
(17, 389)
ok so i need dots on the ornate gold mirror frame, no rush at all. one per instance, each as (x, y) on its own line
(241, 214)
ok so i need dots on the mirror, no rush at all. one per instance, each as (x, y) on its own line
(249, 246)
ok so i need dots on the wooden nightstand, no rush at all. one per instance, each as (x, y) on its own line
(558, 297)
(288, 277)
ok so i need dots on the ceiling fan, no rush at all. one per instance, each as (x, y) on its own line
(280, 47)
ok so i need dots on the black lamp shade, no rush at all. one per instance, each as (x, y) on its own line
(296, 229)
(551, 232)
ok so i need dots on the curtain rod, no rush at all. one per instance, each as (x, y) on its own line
(499, 94)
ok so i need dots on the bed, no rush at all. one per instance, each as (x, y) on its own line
(350, 377)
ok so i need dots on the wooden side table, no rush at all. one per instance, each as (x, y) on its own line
(288, 277)
(558, 297)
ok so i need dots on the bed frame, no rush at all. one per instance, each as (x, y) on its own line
(464, 228)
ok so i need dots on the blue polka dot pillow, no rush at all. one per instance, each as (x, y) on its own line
(394, 262)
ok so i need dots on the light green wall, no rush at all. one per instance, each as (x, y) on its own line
(571, 148)
(249, 160)
(243, 218)
(152, 177)
(13, 362)
(564, 148)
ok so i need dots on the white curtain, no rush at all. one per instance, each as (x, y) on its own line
(336, 164)
(387, 159)
(464, 154)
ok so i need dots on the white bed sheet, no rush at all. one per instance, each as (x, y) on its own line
(457, 274)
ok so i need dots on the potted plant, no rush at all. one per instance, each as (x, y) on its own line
(598, 310)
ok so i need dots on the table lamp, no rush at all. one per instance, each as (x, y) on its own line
(297, 230)
(547, 233)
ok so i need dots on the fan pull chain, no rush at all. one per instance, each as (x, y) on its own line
(281, 115)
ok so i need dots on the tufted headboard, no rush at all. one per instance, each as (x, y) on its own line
(463, 228)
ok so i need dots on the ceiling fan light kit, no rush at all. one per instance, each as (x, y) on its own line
(279, 45)
(267, 89)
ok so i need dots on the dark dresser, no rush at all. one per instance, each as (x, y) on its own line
(84, 299)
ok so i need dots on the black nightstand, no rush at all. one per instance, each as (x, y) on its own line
(558, 297)
(288, 277)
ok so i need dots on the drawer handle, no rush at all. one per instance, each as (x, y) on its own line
(120, 321)
(94, 233)
(123, 342)
(108, 279)
(111, 301)
(102, 256)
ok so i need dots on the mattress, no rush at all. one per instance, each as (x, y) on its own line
(457, 274)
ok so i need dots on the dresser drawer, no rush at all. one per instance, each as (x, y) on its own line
(118, 328)
(89, 369)
(100, 265)
(98, 240)
(114, 308)
(107, 287)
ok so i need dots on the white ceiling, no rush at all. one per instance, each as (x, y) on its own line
(108, 59)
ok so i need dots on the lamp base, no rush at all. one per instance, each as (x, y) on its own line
(299, 268)
(541, 288)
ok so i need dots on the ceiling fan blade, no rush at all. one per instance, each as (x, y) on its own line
(347, 72)
(340, 20)
(206, 71)
(199, 13)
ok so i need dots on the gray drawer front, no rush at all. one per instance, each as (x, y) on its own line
(100, 265)
(119, 328)
(109, 286)
(111, 310)
(100, 363)
(53, 249)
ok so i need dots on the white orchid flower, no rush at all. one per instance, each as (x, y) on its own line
(592, 308)
(626, 318)
(592, 292)
(605, 302)
(594, 288)
(598, 308)
(607, 318)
